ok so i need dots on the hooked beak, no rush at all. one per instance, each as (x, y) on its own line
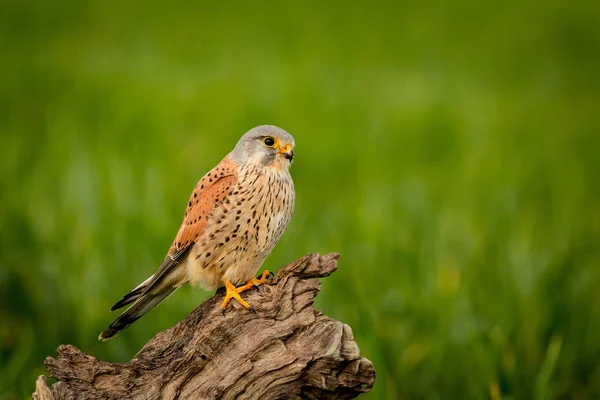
(287, 152)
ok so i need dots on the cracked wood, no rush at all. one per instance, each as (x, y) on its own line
(286, 349)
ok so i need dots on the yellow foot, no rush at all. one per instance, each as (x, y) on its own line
(234, 292)
(259, 281)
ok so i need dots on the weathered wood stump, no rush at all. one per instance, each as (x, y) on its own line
(284, 350)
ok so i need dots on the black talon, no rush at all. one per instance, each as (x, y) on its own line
(252, 309)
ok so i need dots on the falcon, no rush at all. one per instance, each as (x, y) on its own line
(234, 218)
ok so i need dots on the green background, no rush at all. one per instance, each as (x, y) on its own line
(449, 151)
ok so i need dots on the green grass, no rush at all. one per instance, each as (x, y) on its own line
(450, 152)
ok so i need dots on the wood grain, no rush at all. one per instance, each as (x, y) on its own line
(284, 350)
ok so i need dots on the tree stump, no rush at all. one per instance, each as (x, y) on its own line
(284, 350)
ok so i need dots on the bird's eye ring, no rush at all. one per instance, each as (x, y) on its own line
(270, 141)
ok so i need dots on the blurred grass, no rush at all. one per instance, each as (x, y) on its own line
(449, 151)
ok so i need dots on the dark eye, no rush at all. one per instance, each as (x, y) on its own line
(269, 141)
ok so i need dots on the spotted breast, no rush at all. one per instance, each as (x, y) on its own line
(244, 229)
(235, 216)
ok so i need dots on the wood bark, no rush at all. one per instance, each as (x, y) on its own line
(285, 349)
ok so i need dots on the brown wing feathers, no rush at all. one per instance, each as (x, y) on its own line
(209, 193)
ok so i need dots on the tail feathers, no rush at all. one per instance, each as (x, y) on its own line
(128, 298)
(141, 306)
(132, 296)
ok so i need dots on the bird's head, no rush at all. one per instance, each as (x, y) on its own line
(265, 146)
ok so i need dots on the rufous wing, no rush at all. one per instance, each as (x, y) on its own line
(210, 192)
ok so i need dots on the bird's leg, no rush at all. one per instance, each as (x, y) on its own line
(259, 281)
(234, 292)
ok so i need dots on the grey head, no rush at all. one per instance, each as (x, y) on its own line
(265, 146)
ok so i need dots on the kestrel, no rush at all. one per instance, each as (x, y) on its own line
(235, 216)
